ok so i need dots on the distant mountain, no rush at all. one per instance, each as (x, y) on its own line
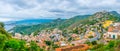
(57, 23)
(115, 13)
(28, 29)
(11, 24)
(28, 22)
(72, 20)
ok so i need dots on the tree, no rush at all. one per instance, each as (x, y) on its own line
(110, 44)
(3, 31)
(48, 43)
(70, 39)
(34, 47)
(12, 44)
(23, 46)
(55, 46)
(1, 24)
(2, 42)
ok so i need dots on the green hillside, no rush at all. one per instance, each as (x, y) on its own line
(96, 18)
(68, 24)
(94, 21)
(8, 43)
(32, 28)
(72, 20)
(57, 23)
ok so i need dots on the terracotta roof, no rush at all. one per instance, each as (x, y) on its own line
(80, 47)
(73, 35)
(41, 44)
(110, 29)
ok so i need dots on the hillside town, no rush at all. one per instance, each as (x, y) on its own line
(74, 42)
(59, 25)
(98, 32)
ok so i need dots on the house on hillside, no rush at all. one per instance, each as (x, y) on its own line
(112, 35)
(113, 32)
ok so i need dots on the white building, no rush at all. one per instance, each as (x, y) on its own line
(62, 43)
(113, 32)
(113, 35)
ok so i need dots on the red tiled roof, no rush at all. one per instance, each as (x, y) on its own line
(82, 47)
(110, 29)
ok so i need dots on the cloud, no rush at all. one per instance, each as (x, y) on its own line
(6, 19)
(24, 9)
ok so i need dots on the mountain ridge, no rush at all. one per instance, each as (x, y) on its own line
(68, 23)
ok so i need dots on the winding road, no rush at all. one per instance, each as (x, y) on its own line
(98, 36)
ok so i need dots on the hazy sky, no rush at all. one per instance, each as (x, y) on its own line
(28, 9)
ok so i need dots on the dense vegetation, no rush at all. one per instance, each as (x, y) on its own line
(34, 28)
(113, 45)
(8, 43)
(57, 23)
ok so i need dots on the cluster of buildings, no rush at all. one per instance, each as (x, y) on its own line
(57, 37)
(28, 38)
(113, 32)
(54, 36)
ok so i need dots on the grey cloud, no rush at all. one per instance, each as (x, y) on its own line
(57, 10)
(19, 3)
(23, 9)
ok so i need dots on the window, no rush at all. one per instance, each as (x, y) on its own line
(113, 36)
